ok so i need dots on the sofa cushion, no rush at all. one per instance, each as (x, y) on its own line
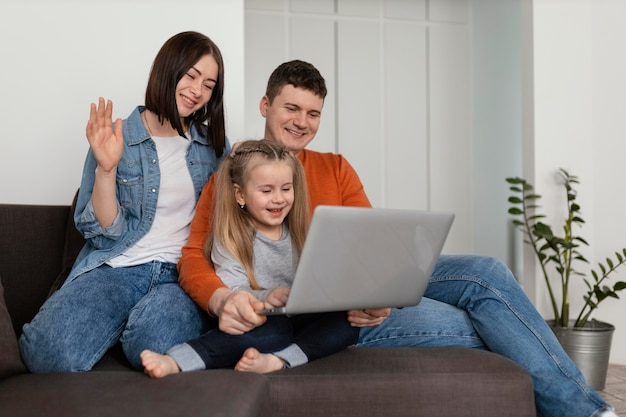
(404, 382)
(10, 360)
(205, 393)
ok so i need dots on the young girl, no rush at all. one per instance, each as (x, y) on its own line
(260, 218)
(141, 181)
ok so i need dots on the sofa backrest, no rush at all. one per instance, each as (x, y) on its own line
(33, 255)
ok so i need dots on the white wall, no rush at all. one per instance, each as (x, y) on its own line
(609, 148)
(579, 92)
(59, 56)
(497, 62)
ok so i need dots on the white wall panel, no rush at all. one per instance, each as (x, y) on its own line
(362, 8)
(451, 150)
(399, 104)
(453, 11)
(360, 102)
(311, 39)
(266, 47)
(317, 6)
(277, 5)
(407, 159)
(497, 125)
(406, 9)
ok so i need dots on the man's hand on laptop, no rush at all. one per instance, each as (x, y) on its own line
(236, 311)
(368, 317)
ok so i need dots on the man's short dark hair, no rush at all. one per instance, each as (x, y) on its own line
(298, 73)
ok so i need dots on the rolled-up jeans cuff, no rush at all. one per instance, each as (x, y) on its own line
(186, 358)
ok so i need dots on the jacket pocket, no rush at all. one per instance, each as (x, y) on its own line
(130, 190)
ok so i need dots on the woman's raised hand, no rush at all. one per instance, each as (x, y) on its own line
(107, 145)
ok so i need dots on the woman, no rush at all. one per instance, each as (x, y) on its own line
(141, 181)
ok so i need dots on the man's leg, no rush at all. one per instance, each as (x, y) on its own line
(509, 324)
(430, 323)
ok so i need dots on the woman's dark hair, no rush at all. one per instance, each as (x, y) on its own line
(177, 55)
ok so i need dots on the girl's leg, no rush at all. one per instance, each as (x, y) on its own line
(318, 335)
(323, 334)
(81, 321)
(509, 325)
(216, 349)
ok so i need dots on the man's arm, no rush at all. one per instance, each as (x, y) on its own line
(196, 275)
(236, 310)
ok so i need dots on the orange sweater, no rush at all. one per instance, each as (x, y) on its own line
(331, 181)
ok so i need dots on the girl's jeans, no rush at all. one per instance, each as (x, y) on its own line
(475, 301)
(316, 335)
(142, 306)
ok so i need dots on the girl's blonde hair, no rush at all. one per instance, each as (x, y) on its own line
(233, 227)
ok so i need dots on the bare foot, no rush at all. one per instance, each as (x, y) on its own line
(157, 365)
(254, 361)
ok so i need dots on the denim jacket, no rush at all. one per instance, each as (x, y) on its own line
(138, 179)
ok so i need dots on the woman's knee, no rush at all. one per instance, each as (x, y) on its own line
(45, 351)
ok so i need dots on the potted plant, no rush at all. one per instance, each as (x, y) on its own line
(587, 341)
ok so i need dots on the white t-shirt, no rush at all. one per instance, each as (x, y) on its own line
(175, 208)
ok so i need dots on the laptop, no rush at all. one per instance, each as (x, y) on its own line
(355, 258)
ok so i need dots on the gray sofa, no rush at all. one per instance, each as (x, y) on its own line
(37, 247)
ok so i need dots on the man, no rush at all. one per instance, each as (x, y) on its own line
(470, 301)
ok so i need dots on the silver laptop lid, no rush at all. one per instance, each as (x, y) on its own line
(358, 258)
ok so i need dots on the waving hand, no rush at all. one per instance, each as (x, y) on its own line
(107, 145)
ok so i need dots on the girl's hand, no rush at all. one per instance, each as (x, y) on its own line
(368, 317)
(277, 297)
(107, 145)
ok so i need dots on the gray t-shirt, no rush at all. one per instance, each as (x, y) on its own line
(275, 264)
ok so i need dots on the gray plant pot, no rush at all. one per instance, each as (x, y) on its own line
(589, 348)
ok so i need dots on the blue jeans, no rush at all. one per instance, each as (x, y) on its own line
(475, 301)
(141, 306)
